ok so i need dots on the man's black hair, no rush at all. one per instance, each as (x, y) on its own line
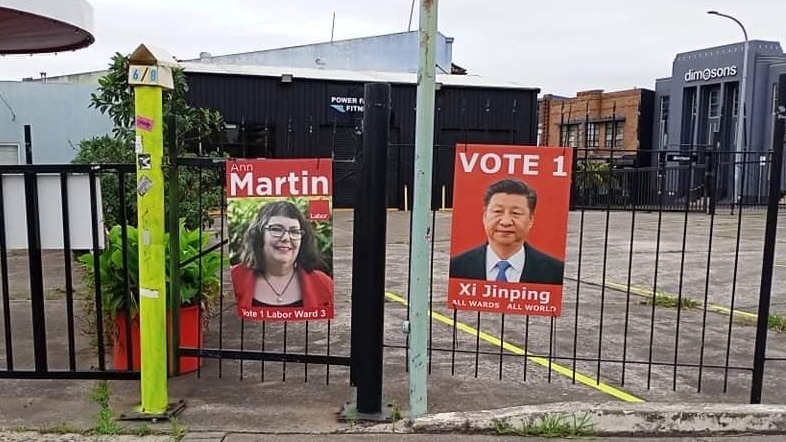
(515, 187)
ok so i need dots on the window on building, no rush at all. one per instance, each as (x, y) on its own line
(664, 108)
(592, 135)
(9, 154)
(714, 103)
(735, 102)
(613, 133)
(665, 102)
(774, 97)
(569, 135)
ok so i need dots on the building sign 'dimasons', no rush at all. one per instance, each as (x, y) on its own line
(710, 73)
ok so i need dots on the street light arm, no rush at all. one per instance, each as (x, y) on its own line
(744, 32)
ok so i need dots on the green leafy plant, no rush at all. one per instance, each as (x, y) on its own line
(200, 189)
(241, 212)
(199, 278)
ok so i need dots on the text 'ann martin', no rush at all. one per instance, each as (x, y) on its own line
(245, 181)
(510, 163)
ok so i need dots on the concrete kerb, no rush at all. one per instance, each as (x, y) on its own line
(606, 419)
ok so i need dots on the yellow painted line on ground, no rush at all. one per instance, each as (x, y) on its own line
(495, 341)
(780, 265)
(647, 293)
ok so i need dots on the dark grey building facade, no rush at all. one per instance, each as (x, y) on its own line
(696, 121)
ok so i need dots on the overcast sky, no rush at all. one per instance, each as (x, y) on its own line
(559, 46)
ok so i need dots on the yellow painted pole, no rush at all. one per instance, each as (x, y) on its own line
(152, 276)
(149, 73)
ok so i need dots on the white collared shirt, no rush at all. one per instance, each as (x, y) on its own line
(513, 274)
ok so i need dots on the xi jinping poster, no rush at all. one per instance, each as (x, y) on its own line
(281, 238)
(509, 229)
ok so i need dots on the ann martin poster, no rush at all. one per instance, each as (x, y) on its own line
(509, 229)
(281, 238)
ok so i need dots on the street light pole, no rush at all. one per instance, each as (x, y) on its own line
(740, 109)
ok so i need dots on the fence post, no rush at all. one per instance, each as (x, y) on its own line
(35, 259)
(770, 232)
(368, 259)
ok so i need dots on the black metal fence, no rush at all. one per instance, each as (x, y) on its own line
(697, 180)
(670, 292)
(664, 292)
(50, 224)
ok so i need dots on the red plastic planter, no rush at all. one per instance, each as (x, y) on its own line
(190, 337)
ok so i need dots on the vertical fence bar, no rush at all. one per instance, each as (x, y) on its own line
(681, 281)
(609, 193)
(661, 194)
(368, 256)
(580, 181)
(431, 291)
(224, 203)
(284, 363)
(36, 271)
(768, 256)
(706, 296)
(99, 304)
(174, 241)
(9, 350)
(627, 289)
(67, 265)
(733, 297)
(121, 184)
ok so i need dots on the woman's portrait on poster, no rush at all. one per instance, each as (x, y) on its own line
(280, 263)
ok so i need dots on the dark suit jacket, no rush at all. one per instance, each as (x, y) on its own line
(539, 268)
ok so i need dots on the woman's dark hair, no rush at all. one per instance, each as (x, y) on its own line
(252, 253)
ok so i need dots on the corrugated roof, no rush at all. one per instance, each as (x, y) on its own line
(346, 75)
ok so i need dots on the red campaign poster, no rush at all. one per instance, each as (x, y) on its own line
(509, 229)
(279, 216)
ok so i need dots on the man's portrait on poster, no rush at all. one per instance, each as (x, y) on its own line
(280, 262)
(506, 256)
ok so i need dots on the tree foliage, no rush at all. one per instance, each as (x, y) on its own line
(200, 190)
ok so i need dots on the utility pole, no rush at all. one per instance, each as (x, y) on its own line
(420, 231)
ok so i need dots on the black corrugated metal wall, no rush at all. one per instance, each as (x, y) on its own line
(298, 120)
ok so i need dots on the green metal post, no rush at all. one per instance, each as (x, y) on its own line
(421, 234)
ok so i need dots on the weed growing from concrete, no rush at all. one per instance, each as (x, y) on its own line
(777, 323)
(105, 419)
(550, 425)
(669, 301)
(59, 429)
(143, 430)
(177, 431)
(396, 413)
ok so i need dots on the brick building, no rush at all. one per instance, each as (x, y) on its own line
(617, 124)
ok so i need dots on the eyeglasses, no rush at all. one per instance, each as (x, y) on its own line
(277, 230)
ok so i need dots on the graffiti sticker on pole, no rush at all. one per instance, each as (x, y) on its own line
(509, 229)
(281, 238)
